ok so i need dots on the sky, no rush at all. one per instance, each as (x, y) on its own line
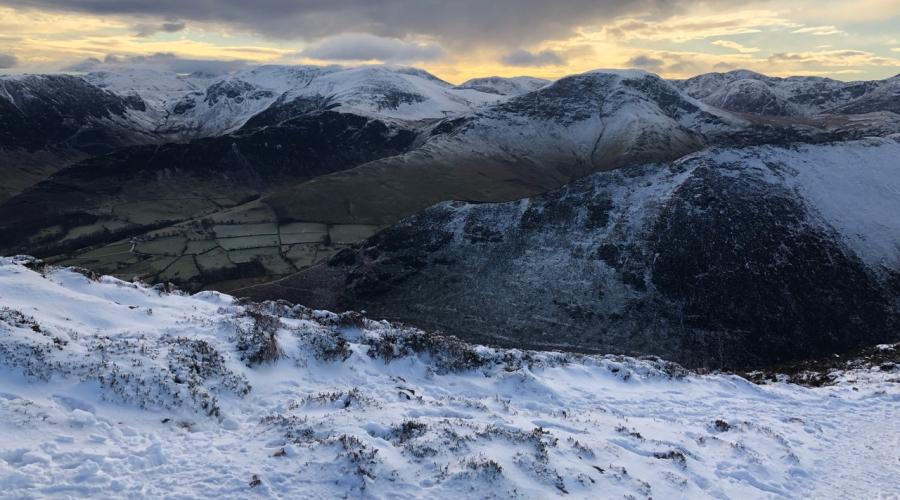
(458, 39)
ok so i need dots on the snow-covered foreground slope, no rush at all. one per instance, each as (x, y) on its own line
(111, 389)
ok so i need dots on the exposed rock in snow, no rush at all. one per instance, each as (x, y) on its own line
(526, 145)
(157, 106)
(501, 86)
(749, 92)
(200, 106)
(884, 98)
(393, 142)
(751, 96)
(540, 140)
(727, 257)
(45, 111)
(113, 389)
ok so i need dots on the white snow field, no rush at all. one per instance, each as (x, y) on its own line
(110, 389)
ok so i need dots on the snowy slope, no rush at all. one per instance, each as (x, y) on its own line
(603, 118)
(63, 111)
(388, 92)
(158, 89)
(750, 92)
(501, 86)
(886, 97)
(526, 145)
(852, 187)
(728, 257)
(752, 96)
(108, 389)
(204, 105)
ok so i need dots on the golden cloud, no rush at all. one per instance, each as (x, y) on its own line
(728, 44)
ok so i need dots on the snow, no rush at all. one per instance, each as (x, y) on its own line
(101, 394)
(157, 88)
(628, 73)
(792, 95)
(578, 125)
(359, 89)
(181, 105)
(858, 193)
(501, 86)
(852, 187)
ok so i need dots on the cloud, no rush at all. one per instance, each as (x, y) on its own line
(687, 64)
(724, 66)
(8, 61)
(686, 28)
(819, 31)
(523, 57)
(644, 61)
(500, 23)
(365, 47)
(728, 44)
(833, 58)
(145, 30)
(161, 61)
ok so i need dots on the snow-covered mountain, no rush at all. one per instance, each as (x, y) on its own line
(886, 97)
(139, 105)
(112, 389)
(165, 106)
(51, 121)
(55, 111)
(748, 92)
(525, 145)
(726, 257)
(379, 169)
(749, 95)
(186, 106)
(502, 86)
(48, 122)
(349, 151)
(538, 141)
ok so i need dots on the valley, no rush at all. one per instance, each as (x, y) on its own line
(638, 214)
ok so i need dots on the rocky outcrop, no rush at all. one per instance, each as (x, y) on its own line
(726, 258)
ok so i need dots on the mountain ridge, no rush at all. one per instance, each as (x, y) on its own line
(723, 258)
(263, 200)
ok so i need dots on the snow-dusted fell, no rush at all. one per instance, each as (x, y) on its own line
(528, 144)
(393, 93)
(501, 86)
(728, 257)
(203, 105)
(749, 92)
(40, 112)
(111, 389)
(166, 106)
(749, 95)
(884, 98)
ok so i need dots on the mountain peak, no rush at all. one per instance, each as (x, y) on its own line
(505, 86)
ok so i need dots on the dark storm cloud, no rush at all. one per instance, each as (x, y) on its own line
(507, 23)
(365, 47)
(645, 62)
(724, 66)
(166, 27)
(666, 62)
(8, 61)
(160, 61)
(525, 58)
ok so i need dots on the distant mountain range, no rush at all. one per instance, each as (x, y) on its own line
(250, 182)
